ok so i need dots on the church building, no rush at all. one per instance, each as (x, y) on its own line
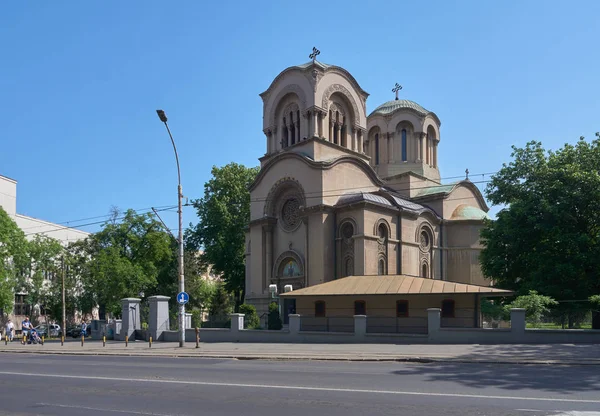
(342, 193)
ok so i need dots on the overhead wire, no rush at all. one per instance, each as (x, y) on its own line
(308, 195)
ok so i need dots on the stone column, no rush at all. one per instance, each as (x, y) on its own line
(353, 139)
(517, 322)
(390, 147)
(268, 137)
(159, 316)
(321, 118)
(421, 156)
(237, 322)
(314, 131)
(268, 235)
(294, 324)
(361, 143)
(433, 323)
(130, 311)
(360, 326)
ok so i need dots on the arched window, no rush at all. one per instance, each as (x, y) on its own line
(349, 267)
(320, 311)
(381, 267)
(424, 270)
(401, 309)
(382, 231)
(360, 307)
(377, 149)
(284, 138)
(292, 128)
(448, 308)
(404, 146)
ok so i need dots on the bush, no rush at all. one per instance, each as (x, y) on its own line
(536, 306)
(251, 320)
(196, 318)
(274, 318)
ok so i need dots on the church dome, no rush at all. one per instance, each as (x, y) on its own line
(467, 212)
(391, 106)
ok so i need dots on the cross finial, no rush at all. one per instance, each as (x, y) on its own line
(467, 173)
(397, 88)
(314, 54)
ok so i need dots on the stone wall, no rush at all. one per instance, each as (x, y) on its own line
(517, 334)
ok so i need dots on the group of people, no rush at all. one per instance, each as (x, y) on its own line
(29, 332)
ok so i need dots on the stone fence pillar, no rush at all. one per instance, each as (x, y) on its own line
(130, 312)
(294, 325)
(434, 321)
(159, 316)
(237, 322)
(517, 324)
(360, 326)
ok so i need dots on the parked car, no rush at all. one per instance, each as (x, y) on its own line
(43, 331)
(75, 331)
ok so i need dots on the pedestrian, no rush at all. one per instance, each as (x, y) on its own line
(26, 327)
(83, 328)
(10, 330)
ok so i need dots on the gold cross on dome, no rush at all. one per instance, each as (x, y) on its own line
(397, 88)
(314, 54)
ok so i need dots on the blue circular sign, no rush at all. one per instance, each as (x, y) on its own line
(183, 298)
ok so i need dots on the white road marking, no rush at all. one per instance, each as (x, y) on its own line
(305, 388)
(99, 409)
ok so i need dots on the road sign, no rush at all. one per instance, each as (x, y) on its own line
(183, 298)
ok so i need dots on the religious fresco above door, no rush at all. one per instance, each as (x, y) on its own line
(290, 268)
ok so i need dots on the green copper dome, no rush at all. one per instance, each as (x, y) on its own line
(467, 212)
(391, 106)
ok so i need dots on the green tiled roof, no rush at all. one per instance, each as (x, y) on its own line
(467, 212)
(436, 189)
(391, 106)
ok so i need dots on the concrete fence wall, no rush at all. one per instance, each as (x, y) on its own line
(436, 334)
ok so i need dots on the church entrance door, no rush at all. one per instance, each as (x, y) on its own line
(289, 307)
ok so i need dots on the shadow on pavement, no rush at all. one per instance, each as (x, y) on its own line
(544, 377)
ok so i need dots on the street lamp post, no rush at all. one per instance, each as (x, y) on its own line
(162, 116)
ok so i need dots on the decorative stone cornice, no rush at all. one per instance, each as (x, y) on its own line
(264, 221)
(323, 165)
(343, 90)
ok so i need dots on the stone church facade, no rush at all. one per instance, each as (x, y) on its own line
(341, 193)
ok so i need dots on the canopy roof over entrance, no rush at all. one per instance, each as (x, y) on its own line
(393, 285)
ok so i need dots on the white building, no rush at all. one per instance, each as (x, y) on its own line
(32, 227)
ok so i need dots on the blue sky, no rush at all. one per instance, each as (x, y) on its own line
(80, 83)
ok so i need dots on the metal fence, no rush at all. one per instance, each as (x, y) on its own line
(392, 325)
(327, 324)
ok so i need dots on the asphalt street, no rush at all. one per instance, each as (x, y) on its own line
(104, 385)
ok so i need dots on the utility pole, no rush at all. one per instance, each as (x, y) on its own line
(163, 117)
(64, 308)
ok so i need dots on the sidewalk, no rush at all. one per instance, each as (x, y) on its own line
(580, 354)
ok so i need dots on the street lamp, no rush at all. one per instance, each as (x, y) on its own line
(163, 117)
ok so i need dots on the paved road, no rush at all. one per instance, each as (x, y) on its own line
(104, 385)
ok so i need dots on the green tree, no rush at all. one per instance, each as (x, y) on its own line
(548, 236)
(124, 258)
(274, 319)
(224, 213)
(220, 304)
(251, 320)
(44, 256)
(535, 305)
(14, 260)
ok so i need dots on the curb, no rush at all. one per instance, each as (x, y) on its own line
(241, 357)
